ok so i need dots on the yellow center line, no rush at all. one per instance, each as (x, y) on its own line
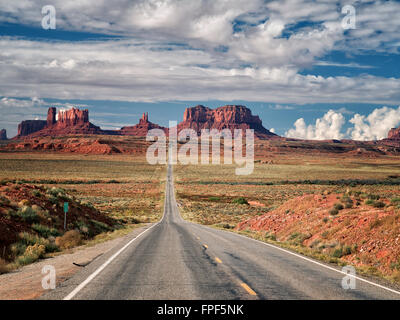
(218, 260)
(248, 289)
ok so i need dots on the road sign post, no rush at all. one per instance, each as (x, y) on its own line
(65, 215)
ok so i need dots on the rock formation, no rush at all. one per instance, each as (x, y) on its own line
(227, 117)
(76, 121)
(394, 134)
(51, 116)
(141, 128)
(28, 127)
(3, 134)
(393, 138)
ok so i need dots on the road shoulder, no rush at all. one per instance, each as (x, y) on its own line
(26, 282)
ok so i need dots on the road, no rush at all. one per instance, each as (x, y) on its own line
(176, 259)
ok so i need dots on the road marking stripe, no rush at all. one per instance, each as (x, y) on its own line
(248, 289)
(218, 260)
(307, 259)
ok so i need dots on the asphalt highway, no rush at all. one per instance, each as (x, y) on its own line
(176, 259)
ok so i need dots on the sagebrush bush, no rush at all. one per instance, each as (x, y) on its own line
(45, 231)
(27, 214)
(69, 240)
(333, 212)
(240, 200)
(338, 206)
(379, 204)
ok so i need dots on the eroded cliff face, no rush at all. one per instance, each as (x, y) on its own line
(72, 117)
(394, 134)
(227, 117)
(3, 134)
(28, 127)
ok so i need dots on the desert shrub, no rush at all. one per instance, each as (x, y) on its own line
(395, 201)
(240, 200)
(18, 248)
(31, 254)
(338, 206)
(37, 249)
(69, 240)
(373, 197)
(29, 239)
(325, 219)
(100, 226)
(53, 199)
(379, 204)
(369, 202)
(348, 205)
(347, 250)
(4, 200)
(333, 212)
(215, 199)
(299, 238)
(337, 253)
(36, 193)
(56, 192)
(27, 214)
(45, 231)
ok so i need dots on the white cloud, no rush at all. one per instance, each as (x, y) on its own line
(376, 125)
(327, 127)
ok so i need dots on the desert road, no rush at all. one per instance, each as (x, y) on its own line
(176, 259)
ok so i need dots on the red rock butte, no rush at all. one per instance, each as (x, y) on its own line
(227, 117)
(141, 128)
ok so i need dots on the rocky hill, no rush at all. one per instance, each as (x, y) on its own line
(141, 128)
(393, 138)
(227, 117)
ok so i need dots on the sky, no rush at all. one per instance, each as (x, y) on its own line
(309, 69)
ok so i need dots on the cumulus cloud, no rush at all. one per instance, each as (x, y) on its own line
(192, 50)
(376, 125)
(327, 127)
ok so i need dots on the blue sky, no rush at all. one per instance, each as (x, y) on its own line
(291, 62)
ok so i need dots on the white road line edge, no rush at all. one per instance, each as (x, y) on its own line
(307, 259)
(105, 264)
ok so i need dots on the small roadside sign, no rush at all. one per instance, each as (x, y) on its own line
(65, 215)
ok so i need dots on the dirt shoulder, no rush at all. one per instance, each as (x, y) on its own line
(26, 282)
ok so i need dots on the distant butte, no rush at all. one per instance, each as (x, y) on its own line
(229, 117)
(3, 134)
(141, 128)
